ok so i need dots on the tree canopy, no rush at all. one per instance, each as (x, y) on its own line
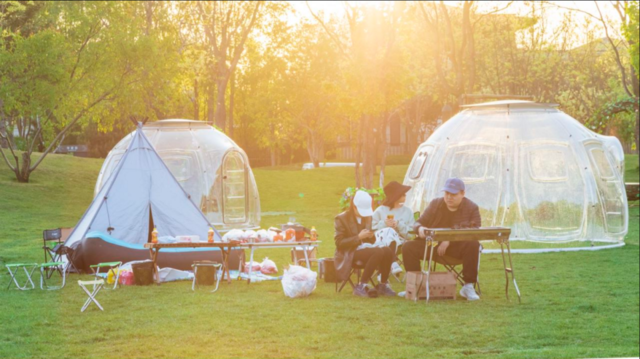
(289, 86)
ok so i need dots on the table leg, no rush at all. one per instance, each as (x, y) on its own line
(506, 271)
(513, 275)
(250, 264)
(153, 253)
(306, 257)
(225, 263)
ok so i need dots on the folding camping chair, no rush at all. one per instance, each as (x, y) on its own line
(451, 264)
(356, 268)
(111, 266)
(46, 268)
(53, 248)
(14, 268)
(196, 279)
(97, 285)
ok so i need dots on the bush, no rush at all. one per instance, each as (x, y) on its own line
(377, 194)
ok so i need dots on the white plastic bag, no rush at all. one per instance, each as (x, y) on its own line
(271, 234)
(298, 281)
(262, 236)
(255, 267)
(249, 236)
(268, 266)
(234, 234)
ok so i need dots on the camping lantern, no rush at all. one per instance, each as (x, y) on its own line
(210, 167)
(529, 167)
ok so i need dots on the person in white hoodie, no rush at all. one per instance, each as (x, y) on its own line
(392, 221)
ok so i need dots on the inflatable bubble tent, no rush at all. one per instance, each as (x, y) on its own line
(210, 167)
(529, 167)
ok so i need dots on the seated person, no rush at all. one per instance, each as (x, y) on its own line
(352, 229)
(392, 221)
(451, 211)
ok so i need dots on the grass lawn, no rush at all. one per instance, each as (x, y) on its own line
(583, 304)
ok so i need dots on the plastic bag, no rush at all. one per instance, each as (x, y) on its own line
(255, 267)
(298, 281)
(233, 235)
(249, 236)
(126, 277)
(262, 236)
(271, 234)
(268, 266)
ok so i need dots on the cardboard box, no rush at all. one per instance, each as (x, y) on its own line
(298, 252)
(442, 285)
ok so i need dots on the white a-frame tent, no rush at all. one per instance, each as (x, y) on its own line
(141, 190)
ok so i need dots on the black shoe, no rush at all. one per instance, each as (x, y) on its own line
(384, 289)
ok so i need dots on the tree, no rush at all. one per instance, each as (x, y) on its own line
(627, 72)
(59, 67)
(227, 25)
(368, 49)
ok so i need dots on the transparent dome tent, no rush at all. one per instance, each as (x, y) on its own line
(209, 166)
(532, 168)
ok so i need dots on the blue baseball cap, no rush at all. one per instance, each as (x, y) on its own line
(453, 185)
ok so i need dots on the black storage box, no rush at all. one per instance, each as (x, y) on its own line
(329, 271)
(143, 273)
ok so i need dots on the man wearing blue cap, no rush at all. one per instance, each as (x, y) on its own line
(451, 211)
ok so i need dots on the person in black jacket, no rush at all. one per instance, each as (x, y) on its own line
(451, 211)
(352, 229)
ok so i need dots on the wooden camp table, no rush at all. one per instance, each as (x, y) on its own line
(225, 248)
(306, 245)
(498, 234)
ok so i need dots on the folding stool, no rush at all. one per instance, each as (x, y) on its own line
(47, 268)
(16, 268)
(111, 266)
(215, 266)
(97, 285)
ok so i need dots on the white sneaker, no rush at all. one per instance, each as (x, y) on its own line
(395, 268)
(468, 292)
(401, 294)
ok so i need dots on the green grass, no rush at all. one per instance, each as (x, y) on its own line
(583, 304)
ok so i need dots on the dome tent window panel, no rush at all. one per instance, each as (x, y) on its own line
(547, 165)
(234, 188)
(184, 167)
(471, 166)
(610, 193)
(420, 162)
(479, 166)
(551, 202)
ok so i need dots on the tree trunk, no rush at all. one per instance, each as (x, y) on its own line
(360, 136)
(232, 91)
(211, 107)
(636, 92)
(272, 151)
(369, 153)
(196, 106)
(315, 148)
(221, 113)
(23, 174)
(385, 148)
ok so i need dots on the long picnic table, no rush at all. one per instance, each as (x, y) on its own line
(225, 248)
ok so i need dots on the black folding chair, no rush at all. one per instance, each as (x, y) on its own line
(53, 249)
(356, 269)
